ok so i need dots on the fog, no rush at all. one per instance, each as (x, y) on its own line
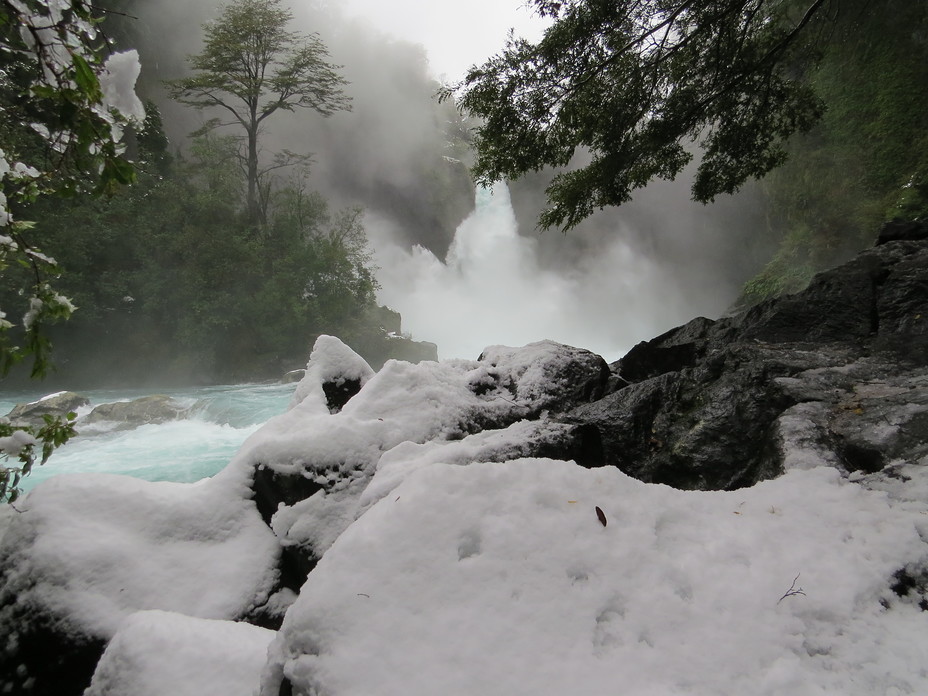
(466, 278)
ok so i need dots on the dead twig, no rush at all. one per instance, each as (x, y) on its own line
(793, 590)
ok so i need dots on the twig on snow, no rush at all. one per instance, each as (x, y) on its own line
(793, 590)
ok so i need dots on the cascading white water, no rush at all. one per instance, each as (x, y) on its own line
(494, 290)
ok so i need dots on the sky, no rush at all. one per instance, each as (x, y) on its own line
(454, 39)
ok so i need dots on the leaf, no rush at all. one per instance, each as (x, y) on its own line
(86, 79)
(601, 515)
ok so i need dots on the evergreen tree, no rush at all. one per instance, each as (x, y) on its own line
(631, 85)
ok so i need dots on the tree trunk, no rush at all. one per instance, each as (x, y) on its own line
(255, 216)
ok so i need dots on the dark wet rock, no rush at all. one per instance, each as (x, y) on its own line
(838, 368)
(272, 490)
(338, 392)
(41, 656)
(400, 347)
(157, 408)
(899, 230)
(386, 341)
(55, 405)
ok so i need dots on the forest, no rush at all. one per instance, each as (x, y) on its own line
(226, 256)
(217, 259)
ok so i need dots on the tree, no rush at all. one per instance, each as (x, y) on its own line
(867, 160)
(631, 84)
(252, 67)
(63, 105)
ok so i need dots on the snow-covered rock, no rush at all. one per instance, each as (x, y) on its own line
(314, 462)
(333, 375)
(84, 551)
(500, 578)
(57, 405)
(156, 653)
(500, 526)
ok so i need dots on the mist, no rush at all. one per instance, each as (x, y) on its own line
(466, 276)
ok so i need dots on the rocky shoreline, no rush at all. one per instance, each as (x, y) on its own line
(835, 376)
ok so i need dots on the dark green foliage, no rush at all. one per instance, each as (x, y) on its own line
(58, 135)
(867, 161)
(37, 444)
(250, 68)
(624, 88)
(173, 284)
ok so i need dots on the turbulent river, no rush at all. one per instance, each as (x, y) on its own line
(184, 450)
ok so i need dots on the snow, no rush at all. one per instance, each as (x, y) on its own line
(455, 565)
(330, 361)
(97, 547)
(155, 653)
(117, 82)
(13, 444)
(498, 578)
(401, 404)
(540, 372)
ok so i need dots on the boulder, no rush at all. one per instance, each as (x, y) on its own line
(86, 551)
(332, 376)
(155, 653)
(157, 408)
(546, 376)
(898, 230)
(58, 405)
(708, 405)
(349, 422)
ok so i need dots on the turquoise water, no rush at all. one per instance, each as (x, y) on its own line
(185, 450)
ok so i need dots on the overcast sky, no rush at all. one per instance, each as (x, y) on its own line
(455, 34)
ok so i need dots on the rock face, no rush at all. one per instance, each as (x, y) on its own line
(57, 405)
(841, 364)
(388, 342)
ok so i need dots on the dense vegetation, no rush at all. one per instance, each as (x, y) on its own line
(213, 265)
(867, 160)
(174, 283)
(617, 94)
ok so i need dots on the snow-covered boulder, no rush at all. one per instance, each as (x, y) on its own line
(503, 578)
(312, 463)
(333, 375)
(85, 551)
(159, 653)
(546, 375)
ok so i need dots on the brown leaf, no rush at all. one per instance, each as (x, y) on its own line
(601, 515)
